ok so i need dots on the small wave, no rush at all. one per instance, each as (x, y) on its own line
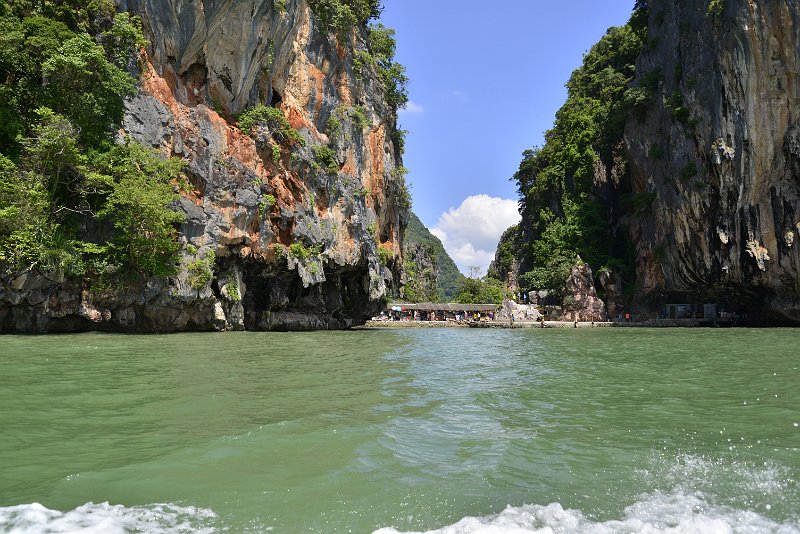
(699, 474)
(657, 513)
(106, 518)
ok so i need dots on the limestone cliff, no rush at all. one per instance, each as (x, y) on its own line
(506, 263)
(581, 301)
(674, 167)
(717, 156)
(278, 233)
(420, 273)
(429, 273)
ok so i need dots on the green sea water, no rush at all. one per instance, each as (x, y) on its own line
(457, 430)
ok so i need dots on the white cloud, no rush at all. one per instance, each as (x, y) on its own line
(412, 108)
(471, 231)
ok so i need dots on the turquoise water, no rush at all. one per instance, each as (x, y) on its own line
(595, 430)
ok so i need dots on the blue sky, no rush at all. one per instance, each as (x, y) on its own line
(486, 81)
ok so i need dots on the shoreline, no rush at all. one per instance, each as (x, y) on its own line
(505, 324)
(485, 324)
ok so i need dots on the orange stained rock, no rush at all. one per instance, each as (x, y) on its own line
(348, 244)
(316, 76)
(378, 165)
(289, 189)
(349, 167)
(343, 87)
(158, 87)
(243, 228)
(238, 145)
(296, 118)
(391, 246)
(170, 78)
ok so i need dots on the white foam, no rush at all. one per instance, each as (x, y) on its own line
(105, 518)
(699, 474)
(657, 513)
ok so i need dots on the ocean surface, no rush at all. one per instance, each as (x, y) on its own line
(451, 431)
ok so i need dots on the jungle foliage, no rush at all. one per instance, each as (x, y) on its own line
(563, 214)
(72, 202)
(448, 277)
(421, 275)
(506, 254)
(481, 291)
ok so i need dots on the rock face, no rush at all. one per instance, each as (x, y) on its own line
(612, 288)
(277, 235)
(420, 273)
(520, 312)
(718, 157)
(580, 301)
(506, 263)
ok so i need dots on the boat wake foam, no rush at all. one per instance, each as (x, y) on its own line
(106, 518)
(657, 513)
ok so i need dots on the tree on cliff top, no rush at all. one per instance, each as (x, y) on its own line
(343, 15)
(392, 74)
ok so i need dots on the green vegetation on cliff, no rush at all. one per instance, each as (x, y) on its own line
(561, 184)
(448, 278)
(506, 257)
(273, 119)
(421, 274)
(343, 15)
(432, 275)
(391, 73)
(71, 201)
